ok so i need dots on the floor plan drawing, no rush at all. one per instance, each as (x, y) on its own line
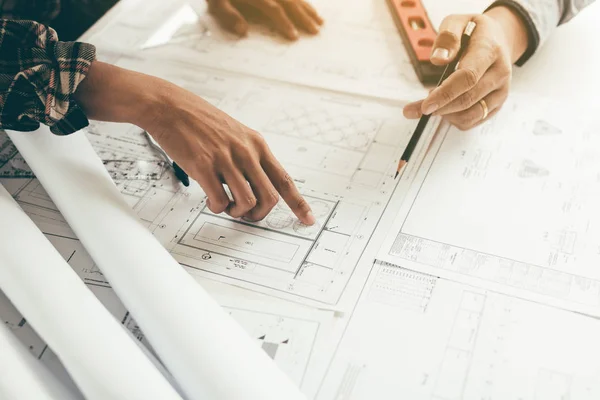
(467, 343)
(340, 150)
(547, 246)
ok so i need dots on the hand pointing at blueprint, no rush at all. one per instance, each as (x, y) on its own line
(211, 147)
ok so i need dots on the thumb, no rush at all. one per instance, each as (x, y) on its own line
(447, 42)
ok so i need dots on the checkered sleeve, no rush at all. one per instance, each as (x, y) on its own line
(38, 77)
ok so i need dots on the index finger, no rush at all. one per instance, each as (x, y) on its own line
(284, 184)
(478, 58)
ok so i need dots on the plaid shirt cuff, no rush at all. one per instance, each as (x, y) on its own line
(38, 77)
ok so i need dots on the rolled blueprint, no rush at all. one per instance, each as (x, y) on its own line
(22, 376)
(96, 351)
(206, 351)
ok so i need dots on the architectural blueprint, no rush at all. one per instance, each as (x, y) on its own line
(12, 165)
(340, 150)
(519, 211)
(489, 220)
(183, 32)
(432, 339)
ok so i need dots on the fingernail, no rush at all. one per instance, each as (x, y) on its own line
(310, 218)
(430, 109)
(294, 34)
(441, 53)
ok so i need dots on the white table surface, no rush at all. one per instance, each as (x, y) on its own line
(568, 65)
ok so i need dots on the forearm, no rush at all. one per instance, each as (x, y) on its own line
(111, 93)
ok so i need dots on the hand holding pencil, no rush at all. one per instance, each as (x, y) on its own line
(477, 90)
(450, 68)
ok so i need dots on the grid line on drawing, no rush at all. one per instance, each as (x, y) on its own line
(353, 132)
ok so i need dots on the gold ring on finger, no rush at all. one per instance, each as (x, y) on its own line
(485, 109)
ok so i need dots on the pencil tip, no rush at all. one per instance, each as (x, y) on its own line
(401, 165)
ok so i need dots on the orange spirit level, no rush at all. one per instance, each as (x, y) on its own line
(418, 36)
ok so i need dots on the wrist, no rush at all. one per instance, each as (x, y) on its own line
(514, 28)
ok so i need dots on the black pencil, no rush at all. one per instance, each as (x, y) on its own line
(450, 68)
(179, 172)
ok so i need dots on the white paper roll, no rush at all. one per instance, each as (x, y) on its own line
(24, 377)
(207, 352)
(98, 354)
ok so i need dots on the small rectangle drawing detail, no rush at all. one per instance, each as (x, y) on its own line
(242, 241)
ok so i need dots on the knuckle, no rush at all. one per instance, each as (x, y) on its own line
(236, 212)
(241, 151)
(242, 207)
(496, 48)
(446, 95)
(206, 158)
(470, 77)
(285, 184)
(247, 203)
(238, 144)
(272, 199)
(466, 100)
(217, 206)
(219, 155)
(258, 140)
(302, 204)
(506, 70)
